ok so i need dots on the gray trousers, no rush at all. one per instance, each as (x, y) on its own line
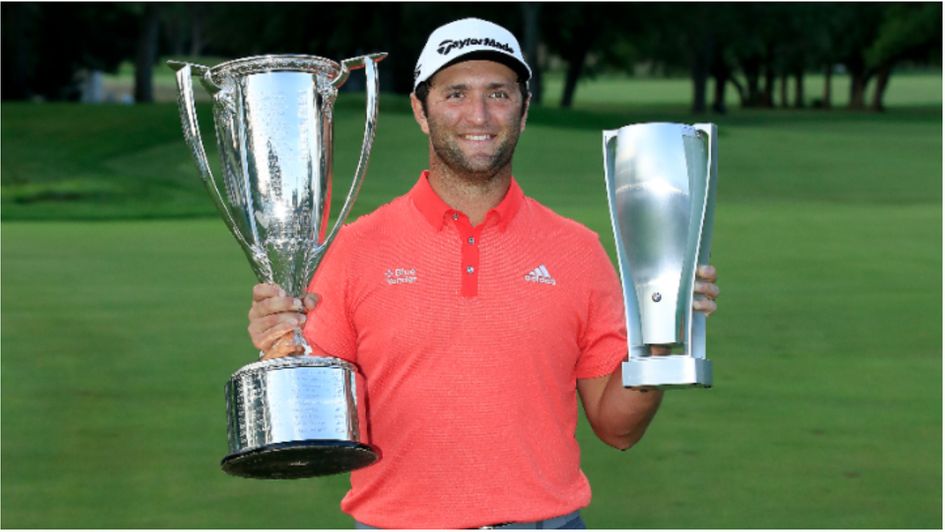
(571, 521)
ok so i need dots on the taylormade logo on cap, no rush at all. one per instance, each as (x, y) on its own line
(449, 45)
(462, 37)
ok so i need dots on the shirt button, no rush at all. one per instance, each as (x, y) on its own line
(470, 269)
(455, 216)
(471, 240)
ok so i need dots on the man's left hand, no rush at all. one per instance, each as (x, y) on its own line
(706, 290)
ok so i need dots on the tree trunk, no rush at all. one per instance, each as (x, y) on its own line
(720, 74)
(828, 75)
(146, 54)
(752, 70)
(699, 81)
(784, 91)
(882, 81)
(575, 67)
(701, 62)
(799, 88)
(767, 97)
(739, 88)
(859, 78)
(858, 83)
(531, 12)
(718, 98)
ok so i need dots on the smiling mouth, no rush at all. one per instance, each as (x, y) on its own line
(477, 137)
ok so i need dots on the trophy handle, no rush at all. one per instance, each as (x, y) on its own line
(369, 63)
(195, 69)
(698, 324)
(188, 119)
(355, 63)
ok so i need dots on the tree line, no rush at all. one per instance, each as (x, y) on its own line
(762, 51)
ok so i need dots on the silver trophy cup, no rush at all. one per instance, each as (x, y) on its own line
(661, 190)
(295, 416)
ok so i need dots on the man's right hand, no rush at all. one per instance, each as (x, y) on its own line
(274, 316)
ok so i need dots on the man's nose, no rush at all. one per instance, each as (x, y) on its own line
(478, 110)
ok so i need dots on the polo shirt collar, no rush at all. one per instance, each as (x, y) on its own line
(435, 210)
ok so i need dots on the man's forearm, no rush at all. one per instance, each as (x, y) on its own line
(624, 414)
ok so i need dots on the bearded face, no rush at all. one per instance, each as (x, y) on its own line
(473, 118)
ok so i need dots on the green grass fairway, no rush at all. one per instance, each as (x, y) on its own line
(905, 89)
(124, 304)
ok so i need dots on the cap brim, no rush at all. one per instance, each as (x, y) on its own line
(498, 57)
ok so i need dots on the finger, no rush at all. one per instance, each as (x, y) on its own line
(276, 305)
(283, 346)
(264, 323)
(705, 306)
(267, 341)
(264, 331)
(709, 290)
(266, 290)
(310, 301)
(656, 349)
(706, 272)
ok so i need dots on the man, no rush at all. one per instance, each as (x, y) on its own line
(474, 313)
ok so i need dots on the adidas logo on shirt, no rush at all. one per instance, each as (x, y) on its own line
(540, 275)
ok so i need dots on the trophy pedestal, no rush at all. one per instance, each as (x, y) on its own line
(669, 371)
(294, 417)
(300, 459)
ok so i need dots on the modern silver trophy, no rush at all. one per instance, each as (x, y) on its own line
(660, 181)
(294, 416)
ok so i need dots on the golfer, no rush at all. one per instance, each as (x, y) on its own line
(476, 315)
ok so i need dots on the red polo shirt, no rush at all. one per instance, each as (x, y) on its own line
(470, 341)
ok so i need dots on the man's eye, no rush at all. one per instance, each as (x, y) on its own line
(501, 95)
(453, 95)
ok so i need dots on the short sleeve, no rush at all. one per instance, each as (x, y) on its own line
(328, 328)
(603, 340)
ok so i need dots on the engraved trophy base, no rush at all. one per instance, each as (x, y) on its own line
(670, 371)
(294, 417)
(300, 459)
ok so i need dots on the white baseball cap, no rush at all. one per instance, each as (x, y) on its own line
(466, 39)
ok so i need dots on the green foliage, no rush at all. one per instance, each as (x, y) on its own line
(45, 45)
(118, 334)
(909, 31)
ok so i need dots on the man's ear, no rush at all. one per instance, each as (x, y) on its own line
(418, 114)
(528, 101)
